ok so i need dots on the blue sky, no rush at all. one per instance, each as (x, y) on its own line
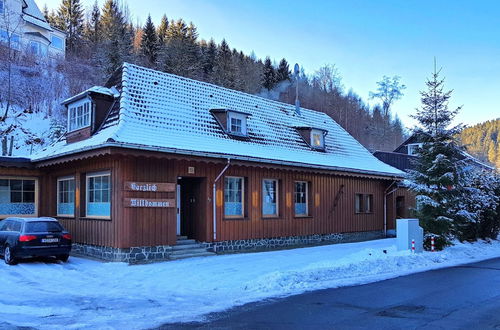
(364, 39)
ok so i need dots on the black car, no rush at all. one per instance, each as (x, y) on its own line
(33, 237)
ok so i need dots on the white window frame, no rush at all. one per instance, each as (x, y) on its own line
(322, 138)
(307, 198)
(86, 104)
(66, 178)
(237, 116)
(277, 190)
(87, 180)
(412, 148)
(242, 197)
(41, 49)
(2, 216)
(52, 36)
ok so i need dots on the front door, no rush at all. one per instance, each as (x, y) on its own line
(191, 206)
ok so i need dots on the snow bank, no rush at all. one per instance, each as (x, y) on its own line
(91, 294)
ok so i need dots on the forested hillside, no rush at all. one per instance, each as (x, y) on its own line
(100, 40)
(483, 141)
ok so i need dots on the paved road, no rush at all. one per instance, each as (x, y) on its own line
(461, 297)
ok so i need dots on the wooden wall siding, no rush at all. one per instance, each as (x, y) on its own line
(323, 217)
(85, 230)
(131, 227)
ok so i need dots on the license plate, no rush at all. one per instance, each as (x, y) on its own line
(50, 240)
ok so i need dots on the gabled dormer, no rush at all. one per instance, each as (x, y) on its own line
(234, 123)
(87, 111)
(313, 137)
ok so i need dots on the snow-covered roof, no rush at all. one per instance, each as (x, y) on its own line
(34, 16)
(95, 89)
(167, 113)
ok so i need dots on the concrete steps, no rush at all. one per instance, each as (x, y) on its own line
(188, 248)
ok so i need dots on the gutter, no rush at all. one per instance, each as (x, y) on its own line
(218, 155)
(214, 198)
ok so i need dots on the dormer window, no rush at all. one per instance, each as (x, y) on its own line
(413, 148)
(237, 124)
(79, 114)
(232, 122)
(314, 137)
(317, 139)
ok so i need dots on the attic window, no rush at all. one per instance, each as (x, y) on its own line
(317, 139)
(413, 148)
(232, 122)
(79, 115)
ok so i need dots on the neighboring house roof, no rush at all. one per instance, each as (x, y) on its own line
(167, 113)
(18, 162)
(33, 15)
(403, 161)
(398, 160)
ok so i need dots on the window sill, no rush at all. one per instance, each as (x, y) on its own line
(96, 218)
(234, 218)
(271, 217)
(65, 216)
(303, 217)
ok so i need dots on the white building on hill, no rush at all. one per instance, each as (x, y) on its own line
(23, 27)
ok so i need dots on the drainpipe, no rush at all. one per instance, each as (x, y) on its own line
(214, 198)
(386, 194)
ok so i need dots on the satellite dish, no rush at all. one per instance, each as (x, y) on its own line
(296, 69)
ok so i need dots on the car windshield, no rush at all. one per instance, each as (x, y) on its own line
(42, 227)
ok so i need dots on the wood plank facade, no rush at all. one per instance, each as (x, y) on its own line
(331, 199)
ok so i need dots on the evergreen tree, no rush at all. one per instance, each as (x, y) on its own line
(149, 42)
(224, 70)
(209, 58)
(116, 37)
(283, 72)
(269, 75)
(437, 178)
(182, 56)
(162, 30)
(70, 20)
(93, 30)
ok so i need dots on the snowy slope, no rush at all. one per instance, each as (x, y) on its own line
(88, 294)
(164, 112)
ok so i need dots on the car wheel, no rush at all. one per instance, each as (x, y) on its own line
(63, 257)
(8, 257)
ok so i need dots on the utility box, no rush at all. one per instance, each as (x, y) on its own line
(408, 230)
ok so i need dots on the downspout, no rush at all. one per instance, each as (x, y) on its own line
(386, 194)
(214, 198)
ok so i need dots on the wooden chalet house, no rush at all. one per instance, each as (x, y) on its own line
(152, 157)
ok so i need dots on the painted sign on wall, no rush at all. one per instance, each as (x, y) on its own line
(149, 186)
(149, 202)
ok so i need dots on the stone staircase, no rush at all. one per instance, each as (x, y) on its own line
(188, 248)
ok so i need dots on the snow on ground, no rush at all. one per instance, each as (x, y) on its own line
(92, 294)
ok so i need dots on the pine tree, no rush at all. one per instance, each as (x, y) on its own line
(269, 75)
(183, 55)
(209, 58)
(117, 38)
(162, 30)
(283, 72)
(93, 29)
(149, 42)
(437, 178)
(70, 20)
(224, 70)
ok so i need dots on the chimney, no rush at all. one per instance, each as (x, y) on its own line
(296, 71)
